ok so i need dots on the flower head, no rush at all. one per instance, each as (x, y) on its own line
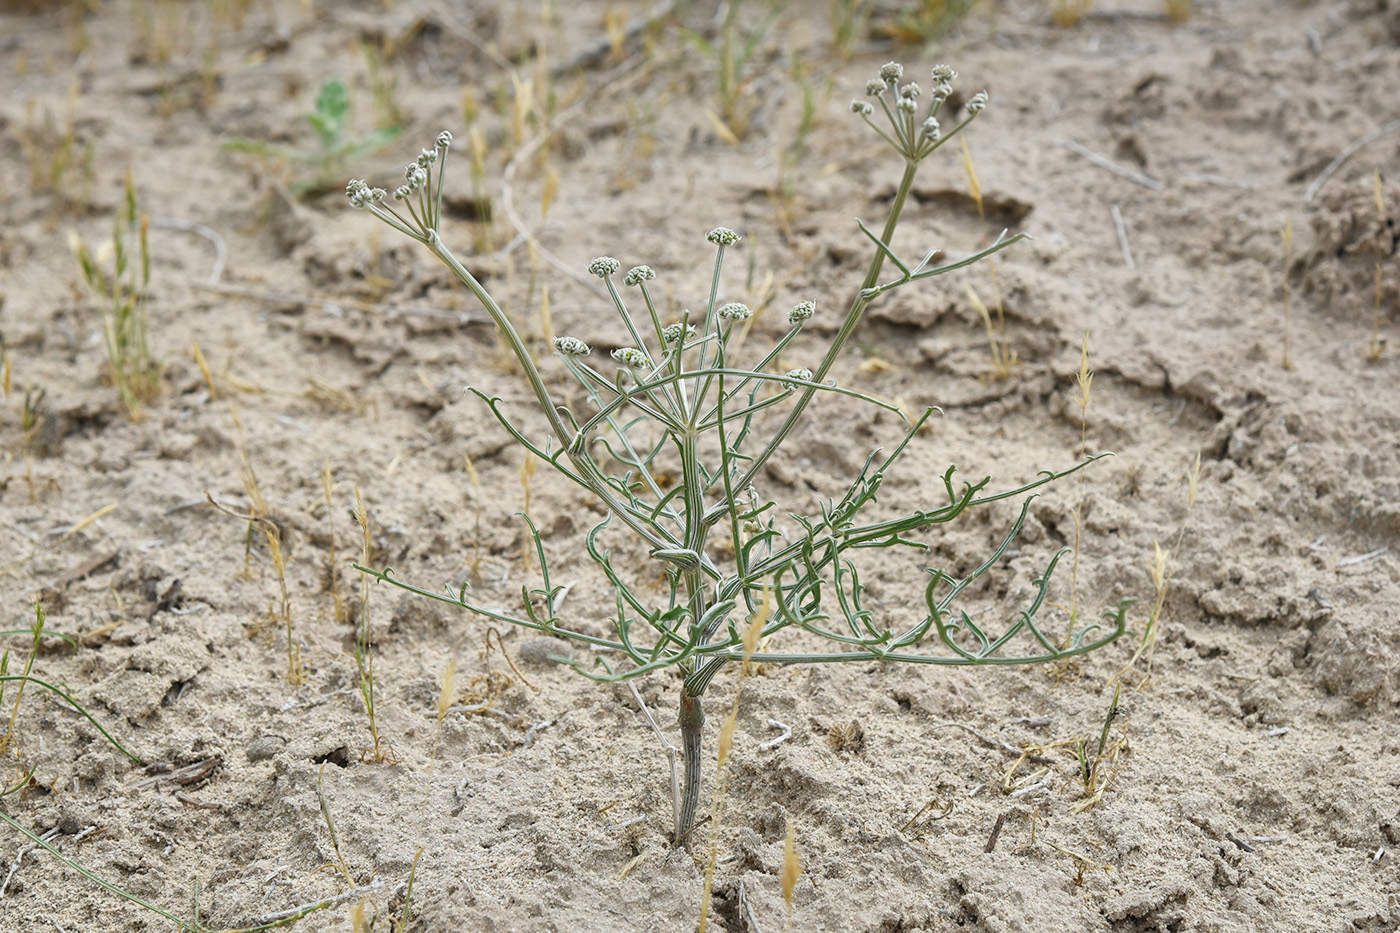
(874, 87)
(632, 357)
(802, 311)
(639, 274)
(722, 236)
(604, 266)
(671, 333)
(907, 104)
(571, 346)
(415, 175)
(931, 130)
(891, 72)
(444, 139)
(804, 374)
(361, 194)
(734, 311)
(974, 106)
(426, 157)
(944, 74)
(862, 107)
(911, 90)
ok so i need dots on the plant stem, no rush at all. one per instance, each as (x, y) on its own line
(692, 718)
(853, 317)
(586, 468)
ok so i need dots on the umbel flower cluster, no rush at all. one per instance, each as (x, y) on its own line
(914, 137)
(742, 572)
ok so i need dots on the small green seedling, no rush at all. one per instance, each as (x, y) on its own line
(730, 51)
(740, 570)
(330, 122)
(123, 292)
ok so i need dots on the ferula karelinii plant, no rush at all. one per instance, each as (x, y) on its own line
(676, 401)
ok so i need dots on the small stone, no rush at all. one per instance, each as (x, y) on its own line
(264, 747)
(537, 651)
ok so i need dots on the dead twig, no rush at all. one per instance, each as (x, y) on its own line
(671, 752)
(1104, 162)
(996, 833)
(529, 149)
(1121, 227)
(1351, 150)
(209, 233)
(334, 306)
(189, 774)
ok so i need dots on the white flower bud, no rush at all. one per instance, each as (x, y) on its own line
(911, 90)
(907, 104)
(604, 266)
(931, 130)
(632, 357)
(722, 236)
(802, 311)
(974, 106)
(639, 274)
(891, 72)
(571, 346)
(944, 74)
(402, 192)
(734, 311)
(804, 374)
(444, 139)
(874, 87)
(426, 157)
(672, 332)
(862, 107)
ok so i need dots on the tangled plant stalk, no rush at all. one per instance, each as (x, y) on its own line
(677, 401)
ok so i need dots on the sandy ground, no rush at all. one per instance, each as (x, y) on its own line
(1252, 778)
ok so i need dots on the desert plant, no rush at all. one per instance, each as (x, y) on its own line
(329, 121)
(929, 20)
(123, 291)
(730, 51)
(677, 402)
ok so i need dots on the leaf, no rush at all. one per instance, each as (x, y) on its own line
(332, 107)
